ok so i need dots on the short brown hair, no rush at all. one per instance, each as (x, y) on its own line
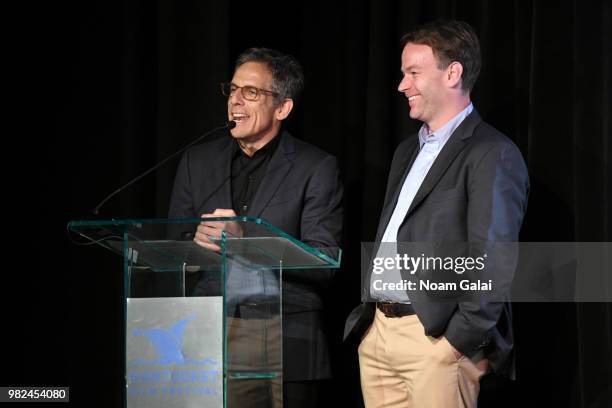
(450, 41)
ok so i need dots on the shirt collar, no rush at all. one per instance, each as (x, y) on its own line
(441, 136)
(267, 150)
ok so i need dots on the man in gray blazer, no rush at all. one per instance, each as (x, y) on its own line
(263, 171)
(457, 180)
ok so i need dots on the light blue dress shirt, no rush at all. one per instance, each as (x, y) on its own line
(431, 143)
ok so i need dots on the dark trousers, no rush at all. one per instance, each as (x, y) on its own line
(265, 394)
(306, 394)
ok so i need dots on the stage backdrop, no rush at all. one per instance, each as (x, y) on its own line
(131, 82)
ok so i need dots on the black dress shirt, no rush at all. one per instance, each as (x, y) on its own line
(247, 174)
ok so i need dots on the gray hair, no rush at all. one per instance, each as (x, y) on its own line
(287, 74)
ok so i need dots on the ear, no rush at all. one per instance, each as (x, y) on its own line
(453, 74)
(284, 109)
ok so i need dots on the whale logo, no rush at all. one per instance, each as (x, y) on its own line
(168, 344)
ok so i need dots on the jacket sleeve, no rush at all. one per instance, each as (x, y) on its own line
(181, 201)
(497, 200)
(322, 217)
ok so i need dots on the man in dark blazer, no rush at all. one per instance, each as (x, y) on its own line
(262, 171)
(458, 180)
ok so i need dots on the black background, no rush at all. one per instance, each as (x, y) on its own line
(120, 85)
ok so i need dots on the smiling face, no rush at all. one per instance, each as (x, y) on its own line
(425, 85)
(257, 122)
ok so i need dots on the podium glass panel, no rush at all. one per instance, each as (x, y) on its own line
(204, 327)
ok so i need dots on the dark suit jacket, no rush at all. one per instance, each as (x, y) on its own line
(476, 191)
(301, 194)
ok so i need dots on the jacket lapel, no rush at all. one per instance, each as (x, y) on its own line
(395, 186)
(278, 167)
(449, 152)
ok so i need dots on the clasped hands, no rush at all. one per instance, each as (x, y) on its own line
(210, 231)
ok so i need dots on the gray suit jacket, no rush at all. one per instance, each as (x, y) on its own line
(301, 194)
(476, 191)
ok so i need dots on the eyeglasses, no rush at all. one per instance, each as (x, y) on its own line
(250, 93)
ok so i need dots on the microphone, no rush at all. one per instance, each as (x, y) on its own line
(229, 125)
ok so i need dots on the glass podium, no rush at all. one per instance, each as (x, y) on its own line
(203, 328)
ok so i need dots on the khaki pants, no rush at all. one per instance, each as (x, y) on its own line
(402, 367)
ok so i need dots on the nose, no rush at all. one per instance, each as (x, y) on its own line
(236, 98)
(404, 84)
